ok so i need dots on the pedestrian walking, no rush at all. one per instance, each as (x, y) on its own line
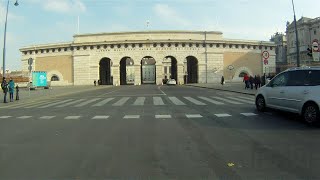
(17, 92)
(11, 89)
(95, 83)
(251, 82)
(4, 87)
(222, 80)
(246, 81)
(258, 81)
(255, 81)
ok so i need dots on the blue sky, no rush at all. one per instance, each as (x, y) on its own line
(49, 21)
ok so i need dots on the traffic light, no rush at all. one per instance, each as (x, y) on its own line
(309, 53)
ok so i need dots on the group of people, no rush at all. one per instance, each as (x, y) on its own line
(249, 81)
(9, 87)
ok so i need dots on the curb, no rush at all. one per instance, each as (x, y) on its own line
(221, 89)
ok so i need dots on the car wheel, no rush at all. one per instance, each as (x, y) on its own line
(260, 103)
(311, 113)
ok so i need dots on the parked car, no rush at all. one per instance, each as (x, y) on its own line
(295, 90)
(171, 82)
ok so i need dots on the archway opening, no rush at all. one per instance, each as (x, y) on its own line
(148, 70)
(243, 73)
(105, 72)
(126, 71)
(170, 68)
(55, 78)
(192, 70)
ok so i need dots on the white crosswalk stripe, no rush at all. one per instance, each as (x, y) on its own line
(157, 101)
(36, 105)
(100, 117)
(194, 101)
(131, 117)
(5, 117)
(176, 101)
(211, 100)
(139, 101)
(246, 98)
(121, 102)
(241, 100)
(101, 103)
(87, 102)
(249, 114)
(56, 103)
(24, 117)
(72, 117)
(222, 115)
(193, 116)
(226, 100)
(162, 116)
(70, 103)
(47, 117)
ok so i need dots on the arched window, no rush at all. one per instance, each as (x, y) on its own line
(54, 78)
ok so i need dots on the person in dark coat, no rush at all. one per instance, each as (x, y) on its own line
(4, 86)
(255, 81)
(17, 92)
(95, 83)
(11, 89)
(222, 80)
(251, 82)
(258, 81)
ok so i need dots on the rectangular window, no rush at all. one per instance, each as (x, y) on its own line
(315, 32)
(313, 78)
(298, 78)
(165, 70)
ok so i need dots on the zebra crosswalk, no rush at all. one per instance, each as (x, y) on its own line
(139, 101)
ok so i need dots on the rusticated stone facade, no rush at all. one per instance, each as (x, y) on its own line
(144, 57)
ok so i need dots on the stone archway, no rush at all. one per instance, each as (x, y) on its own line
(192, 70)
(240, 71)
(148, 70)
(170, 68)
(126, 71)
(105, 71)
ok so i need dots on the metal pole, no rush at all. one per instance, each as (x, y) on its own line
(297, 40)
(4, 42)
(206, 54)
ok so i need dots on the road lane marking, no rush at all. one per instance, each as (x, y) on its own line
(211, 100)
(249, 114)
(36, 105)
(193, 116)
(194, 101)
(139, 101)
(131, 117)
(56, 103)
(222, 115)
(159, 87)
(5, 117)
(72, 117)
(176, 101)
(87, 102)
(24, 117)
(226, 100)
(47, 117)
(121, 102)
(157, 101)
(101, 103)
(246, 98)
(241, 100)
(71, 103)
(162, 116)
(100, 117)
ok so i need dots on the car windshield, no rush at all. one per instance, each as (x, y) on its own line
(159, 89)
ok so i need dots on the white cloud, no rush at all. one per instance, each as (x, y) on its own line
(169, 15)
(63, 6)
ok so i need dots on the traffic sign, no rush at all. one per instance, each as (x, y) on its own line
(30, 61)
(265, 55)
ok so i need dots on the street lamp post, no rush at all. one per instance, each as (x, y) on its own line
(297, 40)
(5, 38)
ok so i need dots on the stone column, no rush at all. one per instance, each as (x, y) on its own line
(159, 74)
(180, 72)
(116, 74)
(137, 74)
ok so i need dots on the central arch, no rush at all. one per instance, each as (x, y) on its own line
(192, 70)
(126, 71)
(105, 71)
(148, 70)
(170, 68)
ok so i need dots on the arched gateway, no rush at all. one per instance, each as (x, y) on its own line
(148, 70)
(105, 71)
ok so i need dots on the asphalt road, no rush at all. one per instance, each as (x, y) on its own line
(154, 132)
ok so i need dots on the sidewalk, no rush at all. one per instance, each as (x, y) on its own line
(229, 86)
(42, 94)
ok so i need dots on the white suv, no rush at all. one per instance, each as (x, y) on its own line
(295, 90)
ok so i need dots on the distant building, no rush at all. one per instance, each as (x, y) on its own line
(280, 41)
(308, 31)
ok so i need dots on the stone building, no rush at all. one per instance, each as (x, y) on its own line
(280, 41)
(149, 57)
(308, 31)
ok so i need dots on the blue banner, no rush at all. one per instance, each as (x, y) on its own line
(39, 78)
